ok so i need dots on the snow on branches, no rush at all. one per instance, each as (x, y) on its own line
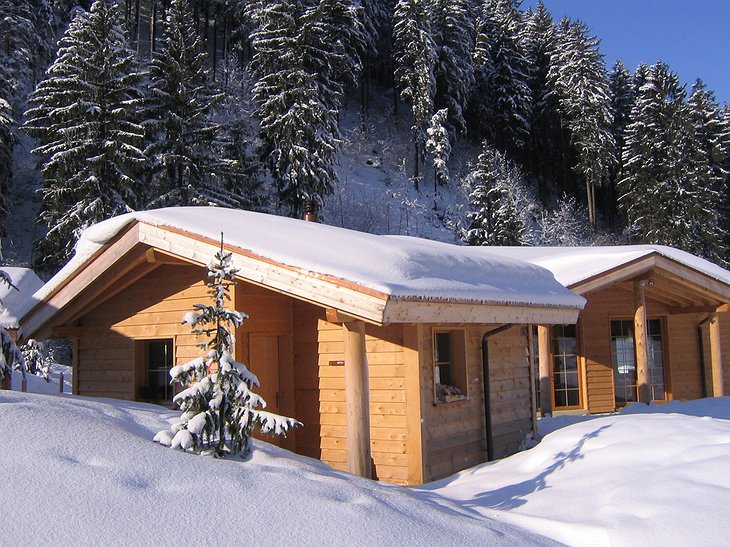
(219, 407)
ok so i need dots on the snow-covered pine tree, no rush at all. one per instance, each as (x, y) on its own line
(303, 56)
(503, 69)
(544, 154)
(667, 191)
(36, 359)
(415, 59)
(578, 78)
(620, 83)
(83, 116)
(7, 141)
(219, 408)
(494, 216)
(439, 146)
(177, 113)
(454, 30)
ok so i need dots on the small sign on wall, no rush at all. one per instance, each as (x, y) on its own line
(337, 363)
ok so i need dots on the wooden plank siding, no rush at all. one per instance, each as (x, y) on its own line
(455, 432)
(388, 421)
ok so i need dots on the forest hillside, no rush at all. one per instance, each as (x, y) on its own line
(469, 121)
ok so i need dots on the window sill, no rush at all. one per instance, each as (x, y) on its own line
(450, 399)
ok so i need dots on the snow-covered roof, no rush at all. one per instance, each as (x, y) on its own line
(16, 303)
(573, 265)
(403, 268)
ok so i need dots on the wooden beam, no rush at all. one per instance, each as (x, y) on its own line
(531, 362)
(640, 343)
(718, 389)
(357, 398)
(543, 359)
(403, 311)
(697, 309)
(414, 414)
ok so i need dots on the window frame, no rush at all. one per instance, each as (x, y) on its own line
(663, 332)
(578, 368)
(456, 362)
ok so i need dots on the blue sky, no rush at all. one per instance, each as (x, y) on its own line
(691, 36)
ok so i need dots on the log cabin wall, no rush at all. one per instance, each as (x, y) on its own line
(725, 348)
(510, 390)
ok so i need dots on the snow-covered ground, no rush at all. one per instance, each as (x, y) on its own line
(85, 471)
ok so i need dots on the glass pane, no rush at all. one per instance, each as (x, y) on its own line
(442, 347)
(561, 398)
(571, 380)
(573, 398)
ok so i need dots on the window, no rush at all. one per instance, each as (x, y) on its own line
(158, 357)
(566, 376)
(449, 366)
(623, 355)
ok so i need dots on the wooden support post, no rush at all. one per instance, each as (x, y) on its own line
(531, 362)
(357, 397)
(718, 389)
(543, 359)
(640, 343)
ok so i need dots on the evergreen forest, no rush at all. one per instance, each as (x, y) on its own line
(471, 121)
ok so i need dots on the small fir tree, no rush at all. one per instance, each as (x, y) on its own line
(219, 408)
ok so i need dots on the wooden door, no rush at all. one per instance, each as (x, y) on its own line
(264, 362)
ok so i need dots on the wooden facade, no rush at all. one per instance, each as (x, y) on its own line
(358, 370)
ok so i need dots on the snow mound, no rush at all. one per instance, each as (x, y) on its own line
(659, 476)
(88, 473)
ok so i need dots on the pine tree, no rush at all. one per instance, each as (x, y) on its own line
(494, 217)
(179, 102)
(219, 408)
(667, 192)
(578, 78)
(502, 67)
(7, 141)
(454, 30)
(622, 92)
(83, 117)
(10, 356)
(545, 154)
(415, 60)
(303, 58)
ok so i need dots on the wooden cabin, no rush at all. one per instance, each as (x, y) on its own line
(384, 347)
(655, 328)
